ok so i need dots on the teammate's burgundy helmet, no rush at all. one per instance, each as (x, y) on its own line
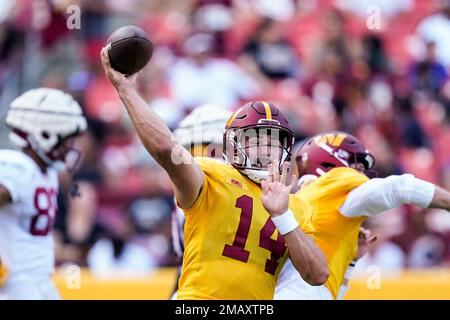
(256, 118)
(329, 150)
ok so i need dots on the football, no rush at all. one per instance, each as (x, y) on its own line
(129, 49)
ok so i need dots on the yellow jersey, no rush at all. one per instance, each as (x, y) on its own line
(3, 273)
(232, 248)
(336, 234)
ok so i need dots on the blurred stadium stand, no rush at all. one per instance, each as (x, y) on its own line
(431, 284)
(316, 59)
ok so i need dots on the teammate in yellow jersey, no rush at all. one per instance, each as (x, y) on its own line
(332, 169)
(241, 222)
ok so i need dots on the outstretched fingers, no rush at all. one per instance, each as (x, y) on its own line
(270, 173)
(293, 182)
(109, 71)
(275, 171)
(264, 187)
(284, 173)
(105, 58)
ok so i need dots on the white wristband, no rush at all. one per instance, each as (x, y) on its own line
(348, 273)
(286, 222)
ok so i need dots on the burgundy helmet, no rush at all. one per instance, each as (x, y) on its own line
(254, 120)
(329, 150)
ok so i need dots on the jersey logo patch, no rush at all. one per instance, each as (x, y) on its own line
(236, 183)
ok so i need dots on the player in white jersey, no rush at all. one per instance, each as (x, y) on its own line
(332, 170)
(200, 132)
(43, 124)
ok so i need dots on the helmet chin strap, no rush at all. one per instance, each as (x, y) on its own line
(255, 175)
(320, 172)
(57, 165)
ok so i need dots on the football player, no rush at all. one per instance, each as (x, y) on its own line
(43, 124)
(332, 168)
(240, 220)
(200, 132)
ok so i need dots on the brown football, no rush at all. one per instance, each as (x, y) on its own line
(129, 49)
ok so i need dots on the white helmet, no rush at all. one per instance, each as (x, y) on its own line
(203, 126)
(41, 119)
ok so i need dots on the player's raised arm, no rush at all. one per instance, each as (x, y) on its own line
(156, 137)
(441, 199)
(305, 255)
(382, 194)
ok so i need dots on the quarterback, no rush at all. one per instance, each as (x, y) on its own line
(241, 222)
(43, 123)
(200, 132)
(332, 169)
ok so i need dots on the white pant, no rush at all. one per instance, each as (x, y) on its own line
(294, 291)
(291, 286)
(27, 287)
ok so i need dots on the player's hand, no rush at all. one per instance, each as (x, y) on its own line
(365, 240)
(275, 191)
(118, 80)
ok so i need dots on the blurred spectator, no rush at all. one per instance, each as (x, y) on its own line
(77, 226)
(280, 10)
(409, 131)
(387, 256)
(214, 17)
(154, 88)
(374, 54)
(384, 254)
(436, 28)
(102, 102)
(268, 54)
(429, 74)
(427, 251)
(387, 8)
(331, 59)
(141, 247)
(201, 78)
(6, 7)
